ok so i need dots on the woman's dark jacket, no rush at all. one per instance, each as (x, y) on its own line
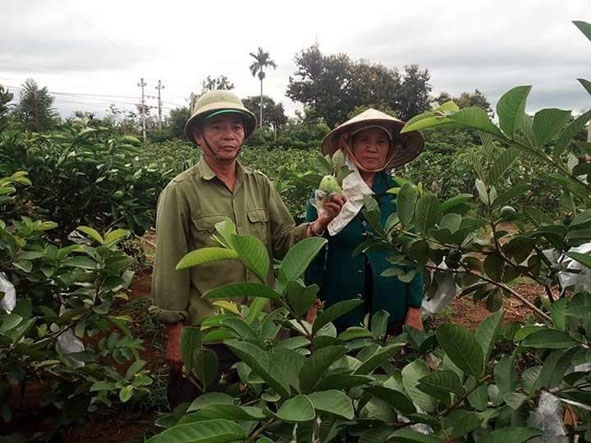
(342, 276)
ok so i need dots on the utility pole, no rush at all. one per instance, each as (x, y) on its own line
(159, 87)
(143, 108)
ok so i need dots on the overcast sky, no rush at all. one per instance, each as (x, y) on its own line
(83, 51)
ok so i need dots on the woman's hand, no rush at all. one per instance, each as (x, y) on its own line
(414, 318)
(331, 209)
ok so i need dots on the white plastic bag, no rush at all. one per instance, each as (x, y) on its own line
(8, 301)
(68, 343)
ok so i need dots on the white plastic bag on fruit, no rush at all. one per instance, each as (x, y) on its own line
(548, 418)
(445, 293)
(354, 189)
(581, 279)
(68, 343)
(8, 301)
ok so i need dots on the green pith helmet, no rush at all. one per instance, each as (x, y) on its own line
(219, 102)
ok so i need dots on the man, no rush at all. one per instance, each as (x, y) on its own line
(190, 206)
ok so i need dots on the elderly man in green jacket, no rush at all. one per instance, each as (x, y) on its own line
(218, 187)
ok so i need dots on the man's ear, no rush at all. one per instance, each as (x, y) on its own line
(196, 133)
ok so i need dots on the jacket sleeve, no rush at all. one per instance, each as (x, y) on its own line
(414, 291)
(284, 232)
(170, 288)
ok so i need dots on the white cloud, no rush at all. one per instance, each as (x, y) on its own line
(105, 47)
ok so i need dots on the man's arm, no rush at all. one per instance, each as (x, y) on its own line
(414, 299)
(170, 288)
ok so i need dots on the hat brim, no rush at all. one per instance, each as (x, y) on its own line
(407, 146)
(206, 112)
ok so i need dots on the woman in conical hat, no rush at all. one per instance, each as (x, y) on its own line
(373, 145)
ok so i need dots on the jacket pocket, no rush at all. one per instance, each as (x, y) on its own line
(203, 228)
(258, 220)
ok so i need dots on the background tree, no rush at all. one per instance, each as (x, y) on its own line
(35, 109)
(5, 98)
(219, 82)
(262, 60)
(274, 113)
(467, 100)
(332, 86)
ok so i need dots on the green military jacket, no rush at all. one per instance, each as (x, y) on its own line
(342, 276)
(188, 209)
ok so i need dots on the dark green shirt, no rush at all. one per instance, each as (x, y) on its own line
(342, 276)
(188, 209)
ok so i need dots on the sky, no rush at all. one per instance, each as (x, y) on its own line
(92, 54)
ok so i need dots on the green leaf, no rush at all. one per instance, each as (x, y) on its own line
(510, 194)
(482, 191)
(92, 233)
(191, 340)
(584, 27)
(225, 411)
(569, 133)
(548, 123)
(255, 308)
(476, 118)
(505, 374)
(584, 259)
(80, 262)
(206, 255)
(227, 231)
(511, 109)
(451, 221)
(378, 358)
(263, 364)
(406, 202)
(205, 366)
(502, 164)
(125, 394)
(443, 381)
(428, 121)
(558, 313)
(315, 366)
(586, 84)
(462, 348)
(379, 324)
(116, 235)
(334, 312)
(394, 398)
(241, 328)
(334, 402)
(411, 375)
(459, 423)
(455, 201)
(511, 434)
(301, 297)
(493, 266)
(296, 409)
(210, 431)
(210, 398)
(253, 253)
(426, 213)
(549, 339)
(243, 289)
(405, 435)
(486, 333)
(298, 258)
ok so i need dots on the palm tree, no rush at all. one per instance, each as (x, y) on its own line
(262, 60)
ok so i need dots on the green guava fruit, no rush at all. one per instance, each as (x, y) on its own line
(330, 185)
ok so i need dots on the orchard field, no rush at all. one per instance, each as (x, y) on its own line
(496, 212)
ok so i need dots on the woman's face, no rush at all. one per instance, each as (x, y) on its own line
(371, 147)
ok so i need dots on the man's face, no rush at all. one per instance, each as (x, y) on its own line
(224, 135)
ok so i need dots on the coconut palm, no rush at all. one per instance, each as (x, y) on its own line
(262, 61)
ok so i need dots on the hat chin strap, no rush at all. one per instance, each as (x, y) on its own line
(345, 146)
(216, 155)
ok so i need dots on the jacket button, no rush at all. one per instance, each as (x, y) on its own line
(359, 295)
(360, 271)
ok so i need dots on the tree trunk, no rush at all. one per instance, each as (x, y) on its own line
(261, 105)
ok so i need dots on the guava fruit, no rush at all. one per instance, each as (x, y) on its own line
(330, 185)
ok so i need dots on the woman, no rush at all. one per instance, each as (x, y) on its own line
(373, 145)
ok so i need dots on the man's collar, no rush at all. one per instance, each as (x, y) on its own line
(206, 173)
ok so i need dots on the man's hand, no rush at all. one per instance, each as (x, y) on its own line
(173, 345)
(331, 209)
(313, 311)
(414, 318)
